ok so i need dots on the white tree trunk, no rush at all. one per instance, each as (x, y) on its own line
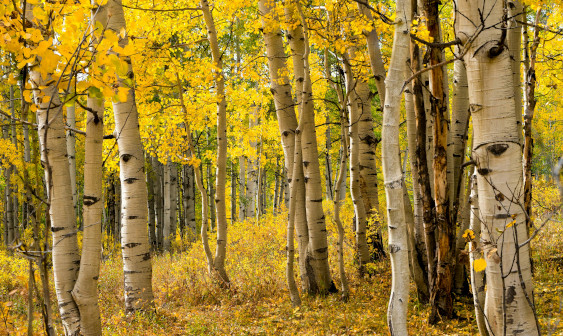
(392, 173)
(166, 228)
(52, 138)
(135, 246)
(509, 302)
(71, 150)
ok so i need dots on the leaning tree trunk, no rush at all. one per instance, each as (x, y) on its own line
(221, 173)
(393, 175)
(54, 157)
(134, 207)
(509, 303)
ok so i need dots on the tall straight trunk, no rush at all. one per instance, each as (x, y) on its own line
(85, 290)
(167, 194)
(328, 164)
(151, 205)
(418, 257)
(14, 190)
(221, 173)
(318, 243)
(460, 275)
(71, 149)
(253, 170)
(423, 175)
(441, 298)
(458, 134)
(189, 201)
(287, 122)
(242, 188)
(337, 205)
(158, 200)
(233, 191)
(173, 200)
(529, 107)
(54, 157)
(134, 210)
(8, 200)
(514, 39)
(355, 110)
(509, 303)
(393, 175)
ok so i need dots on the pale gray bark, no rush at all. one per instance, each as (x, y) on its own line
(509, 303)
(392, 173)
(134, 209)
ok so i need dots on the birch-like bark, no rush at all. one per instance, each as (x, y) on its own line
(134, 209)
(393, 175)
(287, 122)
(71, 150)
(85, 290)
(355, 111)
(252, 171)
(221, 172)
(375, 58)
(189, 201)
(318, 244)
(242, 188)
(151, 205)
(54, 157)
(475, 248)
(514, 40)
(509, 303)
(166, 230)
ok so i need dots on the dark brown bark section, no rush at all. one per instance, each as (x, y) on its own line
(441, 298)
(428, 218)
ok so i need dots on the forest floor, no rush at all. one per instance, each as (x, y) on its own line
(187, 302)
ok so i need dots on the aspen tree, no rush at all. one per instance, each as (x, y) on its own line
(54, 156)
(221, 173)
(287, 122)
(509, 303)
(318, 244)
(85, 290)
(134, 208)
(392, 173)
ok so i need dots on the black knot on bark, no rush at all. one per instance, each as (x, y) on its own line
(497, 149)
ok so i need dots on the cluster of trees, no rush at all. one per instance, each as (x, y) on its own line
(221, 85)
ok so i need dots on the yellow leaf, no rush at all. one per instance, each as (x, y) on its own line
(122, 94)
(511, 223)
(469, 234)
(479, 264)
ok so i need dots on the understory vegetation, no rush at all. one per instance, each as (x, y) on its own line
(189, 302)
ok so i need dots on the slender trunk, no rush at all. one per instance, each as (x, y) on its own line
(221, 173)
(71, 149)
(509, 303)
(355, 110)
(418, 257)
(514, 39)
(287, 122)
(475, 248)
(134, 209)
(167, 194)
(85, 290)
(441, 298)
(158, 201)
(54, 157)
(530, 105)
(189, 201)
(318, 244)
(337, 205)
(253, 169)
(233, 191)
(242, 188)
(460, 275)
(151, 206)
(392, 173)
(422, 172)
